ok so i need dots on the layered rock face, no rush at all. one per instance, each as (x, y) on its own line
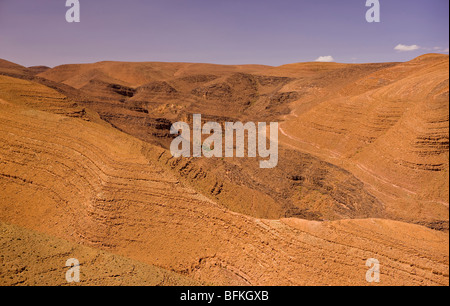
(363, 173)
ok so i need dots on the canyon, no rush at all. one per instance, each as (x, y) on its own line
(86, 171)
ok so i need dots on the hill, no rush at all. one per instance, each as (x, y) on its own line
(84, 167)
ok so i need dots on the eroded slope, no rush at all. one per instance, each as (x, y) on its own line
(28, 258)
(88, 183)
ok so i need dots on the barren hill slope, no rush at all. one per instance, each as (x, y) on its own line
(385, 124)
(135, 74)
(390, 129)
(29, 258)
(9, 67)
(81, 180)
(303, 186)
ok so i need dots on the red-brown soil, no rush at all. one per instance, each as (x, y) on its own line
(363, 173)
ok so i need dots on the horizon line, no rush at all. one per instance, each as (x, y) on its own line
(218, 64)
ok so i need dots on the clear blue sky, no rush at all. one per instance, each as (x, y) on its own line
(275, 32)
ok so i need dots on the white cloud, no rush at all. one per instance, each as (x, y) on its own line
(405, 48)
(440, 50)
(325, 59)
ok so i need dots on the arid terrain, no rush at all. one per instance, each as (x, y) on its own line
(363, 172)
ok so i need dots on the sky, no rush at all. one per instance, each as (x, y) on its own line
(270, 32)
